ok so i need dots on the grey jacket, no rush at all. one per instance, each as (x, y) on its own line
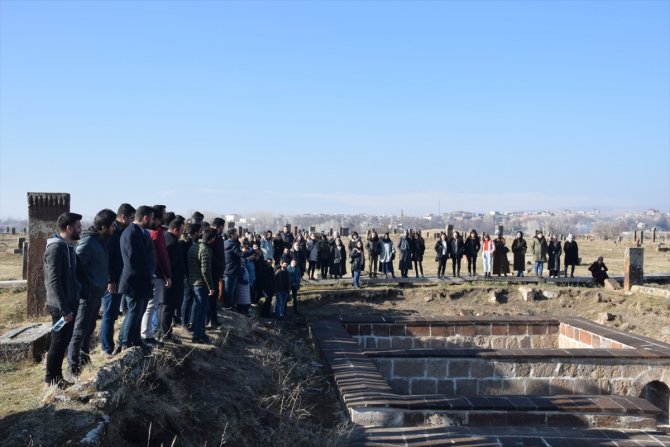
(92, 264)
(60, 276)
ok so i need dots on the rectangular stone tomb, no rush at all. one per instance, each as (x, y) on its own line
(26, 342)
(499, 371)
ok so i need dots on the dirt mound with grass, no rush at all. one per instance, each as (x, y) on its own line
(256, 385)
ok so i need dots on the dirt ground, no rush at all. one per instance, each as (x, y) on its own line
(262, 371)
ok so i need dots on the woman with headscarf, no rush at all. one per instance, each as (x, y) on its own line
(405, 257)
(500, 261)
(554, 252)
(338, 266)
(571, 252)
(386, 256)
(519, 248)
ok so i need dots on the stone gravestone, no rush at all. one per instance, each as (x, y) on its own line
(499, 229)
(653, 235)
(13, 230)
(344, 232)
(312, 230)
(450, 231)
(231, 225)
(43, 211)
(633, 267)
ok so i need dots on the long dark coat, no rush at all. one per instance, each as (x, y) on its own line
(405, 254)
(500, 261)
(554, 252)
(571, 253)
(519, 249)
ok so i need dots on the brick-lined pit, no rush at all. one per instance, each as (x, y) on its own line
(411, 369)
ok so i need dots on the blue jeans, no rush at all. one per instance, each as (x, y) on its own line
(201, 296)
(187, 304)
(229, 294)
(539, 266)
(357, 279)
(110, 312)
(130, 329)
(280, 306)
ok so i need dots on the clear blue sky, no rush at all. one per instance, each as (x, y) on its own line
(349, 107)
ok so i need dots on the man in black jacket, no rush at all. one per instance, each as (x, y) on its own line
(111, 300)
(168, 305)
(62, 287)
(233, 255)
(136, 281)
(218, 261)
(92, 273)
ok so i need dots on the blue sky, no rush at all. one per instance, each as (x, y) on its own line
(336, 107)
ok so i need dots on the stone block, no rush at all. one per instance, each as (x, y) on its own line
(26, 342)
(459, 368)
(376, 417)
(549, 294)
(409, 368)
(445, 387)
(527, 293)
(436, 368)
(423, 386)
(612, 284)
(466, 387)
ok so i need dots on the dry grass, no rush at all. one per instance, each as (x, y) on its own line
(11, 265)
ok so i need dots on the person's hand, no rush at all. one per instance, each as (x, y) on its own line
(69, 318)
(211, 292)
(168, 283)
(112, 287)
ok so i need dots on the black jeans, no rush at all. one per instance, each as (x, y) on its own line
(84, 325)
(312, 269)
(212, 318)
(418, 266)
(167, 308)
(572, 269)
(294, 296)
(442, 265)
(59, 343)
(456, 266)
(472, 264)
(374, 259)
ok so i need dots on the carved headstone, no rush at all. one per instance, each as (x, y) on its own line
(25, 261)
(344, 232)
(13, 230)
(653, 235)
(499, 229)
(312, 230)
(633, 269)
(450, 231)
(43, 212)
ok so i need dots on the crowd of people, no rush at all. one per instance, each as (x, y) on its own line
(160, 270)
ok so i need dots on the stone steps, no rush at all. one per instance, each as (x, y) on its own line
(585, 411)
(504, 436)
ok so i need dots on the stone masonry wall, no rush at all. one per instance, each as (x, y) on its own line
(522, 376)
(489, 335)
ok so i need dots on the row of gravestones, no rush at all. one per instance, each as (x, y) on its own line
(12, 230)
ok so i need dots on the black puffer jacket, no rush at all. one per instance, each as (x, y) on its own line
(60, 276)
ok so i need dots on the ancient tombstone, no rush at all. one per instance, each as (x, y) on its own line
(641, 236)
(43, 212)
(26, 342)
(20, 242)
(635, 238)
(230, 224)
(312, 230)
(450, 231)
(653, 235)
(344, 232)
(633, 267)
(500, 229)
(288, 225)
(13, 230)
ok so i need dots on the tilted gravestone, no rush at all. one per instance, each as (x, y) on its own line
(43, 211)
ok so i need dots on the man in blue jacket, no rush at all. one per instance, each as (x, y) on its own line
(60, 280)
(92, 273)
(136, 281)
